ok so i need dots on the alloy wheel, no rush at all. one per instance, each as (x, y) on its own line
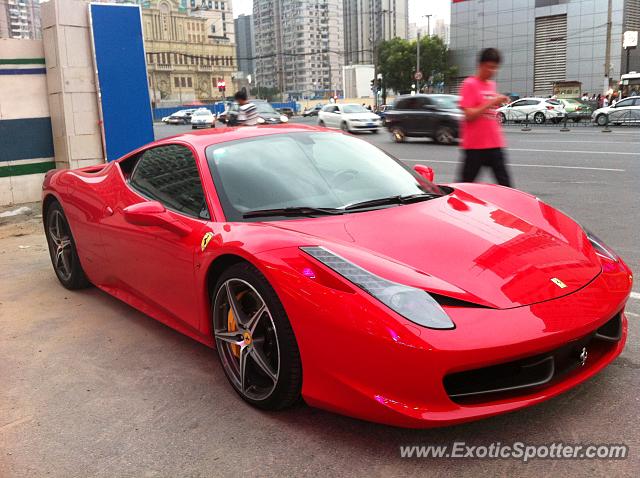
(60, 245)
(246, 338)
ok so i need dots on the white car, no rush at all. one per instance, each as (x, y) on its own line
(535, 110)
(179, 117)
(624, 111)
(203, 118)
(349, 117)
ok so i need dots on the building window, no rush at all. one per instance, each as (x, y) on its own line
(183, 81)
(189, 84)
(176, 82)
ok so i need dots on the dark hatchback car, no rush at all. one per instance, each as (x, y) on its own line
(266, 114)
(425, 116)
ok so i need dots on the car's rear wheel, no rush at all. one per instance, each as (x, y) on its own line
(254, 339)
(62, 249)
(398, 135)
(445, 135)
(502, 118)
(538, 118)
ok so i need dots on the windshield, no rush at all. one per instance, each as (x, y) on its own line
(316, 170)
(354, 109)
(202, 113)
(447, 102)
(265, 108)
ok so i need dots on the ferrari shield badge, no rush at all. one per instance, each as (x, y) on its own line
(556, 281)
(206, 239)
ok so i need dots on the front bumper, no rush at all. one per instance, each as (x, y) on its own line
(362, 360)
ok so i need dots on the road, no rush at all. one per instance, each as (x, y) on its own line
(91, 387)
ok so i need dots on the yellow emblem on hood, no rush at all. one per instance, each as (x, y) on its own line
(559, 283)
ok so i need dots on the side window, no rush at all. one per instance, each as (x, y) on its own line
(400, 105)
(533, 103)
(519, 103)
(625, 103)
(169, 174)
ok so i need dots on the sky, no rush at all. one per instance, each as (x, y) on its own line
(417, 9)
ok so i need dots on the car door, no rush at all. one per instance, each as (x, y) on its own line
(426, 117)
(518, 110)
(622, 111)
(331, 116)
(152, 263)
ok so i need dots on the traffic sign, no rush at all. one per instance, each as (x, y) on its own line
(630, 39)
(418, 76)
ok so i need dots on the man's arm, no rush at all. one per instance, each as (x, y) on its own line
(472, 113)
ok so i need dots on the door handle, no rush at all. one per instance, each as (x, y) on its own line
(108, 211)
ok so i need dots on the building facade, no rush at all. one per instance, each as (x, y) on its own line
(357, 81)
(544, 41)
(299, 46)
(245, 47)
(368, 22)
(190, 48)
(20, 19)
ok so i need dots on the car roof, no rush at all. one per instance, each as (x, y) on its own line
(205, 138)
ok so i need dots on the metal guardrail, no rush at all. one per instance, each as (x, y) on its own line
(538, 119)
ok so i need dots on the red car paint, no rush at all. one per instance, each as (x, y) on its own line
(494, 248)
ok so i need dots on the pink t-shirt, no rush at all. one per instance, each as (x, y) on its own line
(483, 132)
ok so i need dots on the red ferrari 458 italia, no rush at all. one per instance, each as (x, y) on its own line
(321, 267)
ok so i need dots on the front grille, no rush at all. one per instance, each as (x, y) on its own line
(523, 375)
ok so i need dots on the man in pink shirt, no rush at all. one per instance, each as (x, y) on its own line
(482, 139)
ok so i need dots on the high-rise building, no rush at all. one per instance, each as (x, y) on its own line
(20, 19)
(189, 49)
(441, 30)
(299, 46)
(245, 47)
(545, 41)
(368, 22)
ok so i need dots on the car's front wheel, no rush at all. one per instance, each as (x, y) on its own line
(344, 126)
(254, 339)
(601, 119)
(398, 135)
(62, 249)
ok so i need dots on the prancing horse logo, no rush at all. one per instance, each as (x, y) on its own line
(583, 356)
(205, 240)
(558, 282)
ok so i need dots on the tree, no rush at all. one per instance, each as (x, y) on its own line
(397, 63)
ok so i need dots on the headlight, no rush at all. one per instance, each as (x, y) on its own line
(413, 304)
(284, 119)
(600, 247)
(261, 121)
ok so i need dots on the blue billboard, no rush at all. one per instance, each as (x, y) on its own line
(122, 77)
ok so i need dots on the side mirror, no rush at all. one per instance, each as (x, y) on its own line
(153, 213)
(425, 171)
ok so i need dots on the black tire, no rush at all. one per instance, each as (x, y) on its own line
(539, 118)
(398, 135)
(502, 118)
(193, 127)
(321, 124)
(344, 127)
(288, 384)
(376, 131)
(186, 120)
(444, 135)
(601, 119)
(62, 249)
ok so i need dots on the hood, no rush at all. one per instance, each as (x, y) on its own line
(489, 253)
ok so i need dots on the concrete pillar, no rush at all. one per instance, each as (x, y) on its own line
(71, 84)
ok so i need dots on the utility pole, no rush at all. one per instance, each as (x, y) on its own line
(428, 24)
(418, 64)
(607, 55)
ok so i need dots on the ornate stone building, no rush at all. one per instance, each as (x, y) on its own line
(190, 47)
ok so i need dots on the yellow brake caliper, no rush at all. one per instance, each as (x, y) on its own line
(232, 325)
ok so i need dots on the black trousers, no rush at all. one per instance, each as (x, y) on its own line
(475, 159)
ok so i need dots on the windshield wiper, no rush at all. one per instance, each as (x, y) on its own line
(293, 211)
(401, 199)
